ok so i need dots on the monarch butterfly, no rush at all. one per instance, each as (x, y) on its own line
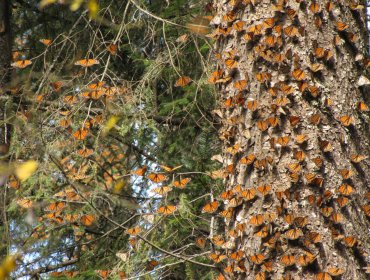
(227, 213)
(334, 271)
(327, 211)
(151, 265)
(346, 120)
(264, 189)
(342, 201)
(182, 183)
(157, 177)
(162, 190)
(273, 121)
(252, 105)
(315, 119)
(306, 259)
(87, 220)
(362, 107)
(218, 240)
(325, 146)
(294, 233)
(263, 77)
(25, 203)
(210, 207)
(294, 167)
(298, 75)
(301, 138)
(262, 125)
(226, 195)
(141, 171)
(231, 63)
(46, 42)
(21, 64)
(315, 237)
(315, 8)
(260, 276)
(291, 31)
(240, 85)
(299, 155)
(70, 99)
(269, 23)
(217, 257)
(249, 159)
(112, 49)
(183, 81)
(230, 16)
(238, 255)
(346, 173)
(233, 149)
(86, 62)
(248, 194)
(80, 134)
(133, 231)
(289, 219)
(336, 218)
(257, 259)
(71, 217)
(55, 206)
(85, 152)
(264, 232)
(355, 158)
(167, 209)
(256, 220)
(341, 26)
(319, 52)
(103, 273)
(283, 141)
(200, 242)
(350, 241)
(345, 189)
(238, 26)
(287, 260)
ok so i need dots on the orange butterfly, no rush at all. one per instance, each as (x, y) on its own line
(86, 62)
(157, 177)
(210, 207)
(257, 259)
(256, 220)
(287, 260)
(294, 234)
(200, 242)
(80, 134)
(162, 190)
(167, 209)
(46, 42)
(25, 203)
(217, 257)
(183, 81)
(87, 220)
(21, 64)
(133, 231)
(141, 171)
(182, 183)
(85, 152)
(56, 86)
(112, 48)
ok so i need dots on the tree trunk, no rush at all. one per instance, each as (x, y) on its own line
(296, 138)
(5, 59)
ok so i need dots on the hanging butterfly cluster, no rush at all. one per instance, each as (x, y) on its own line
(289, 195)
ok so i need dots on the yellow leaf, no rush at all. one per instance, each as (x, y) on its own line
(45, 3)
(24, 170)
(75, 5)
(93, 8)
(119, 186)
(110, 124)
(7, 266)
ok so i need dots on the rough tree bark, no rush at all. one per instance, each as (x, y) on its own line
(5, 59)
(296, 138)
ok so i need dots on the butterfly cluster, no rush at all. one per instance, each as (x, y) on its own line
(288, 194)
